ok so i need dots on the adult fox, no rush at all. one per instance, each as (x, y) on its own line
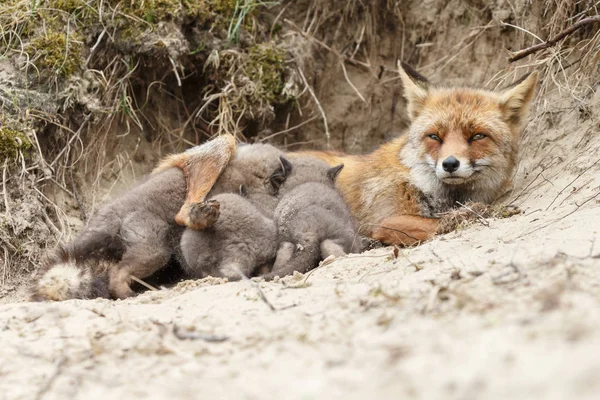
(461, 145)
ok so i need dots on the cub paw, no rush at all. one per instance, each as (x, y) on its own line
(203, 215)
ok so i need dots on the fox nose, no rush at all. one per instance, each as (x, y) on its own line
(450, 164)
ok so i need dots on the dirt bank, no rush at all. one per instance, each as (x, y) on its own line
(504, 308)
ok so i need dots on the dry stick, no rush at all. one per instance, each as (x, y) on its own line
(573, 181)
(575, 191)
(183, 335)
(48, 384)
(6, 208)
(175, 71)
(75, 136)
(79, 204)
(289, 129)
(314, 96)
(342, 59)
(528, 185)
(552, 42)
(5, 267)
(559, 219)
(260, 292)
(402, 232)
(479, 217)
(350, 82)
(309, 273)
(141, 282)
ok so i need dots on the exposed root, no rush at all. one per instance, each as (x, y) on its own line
(553, 41)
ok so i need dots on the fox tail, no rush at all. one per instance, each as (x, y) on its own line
(63, 277)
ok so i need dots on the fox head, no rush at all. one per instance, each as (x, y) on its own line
(463, 141)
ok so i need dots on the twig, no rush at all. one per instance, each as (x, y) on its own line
(341, 58)
(350, 82)
(183, 335)
(578, 206)
(6, 208)
(314, 96)
(303, 284)
(83, 215)
(141, 282)
(412, 264)
(289, 129)
(575, 191)
(505, 278)
(573, 181)
(260, 292)
(175, 71)
(552, 42)
(95, 46)
(5, 267)
(75, 136)
(402, 232)
(50, 382)
(479, 217)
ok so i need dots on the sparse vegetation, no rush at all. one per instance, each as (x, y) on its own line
(12, 142)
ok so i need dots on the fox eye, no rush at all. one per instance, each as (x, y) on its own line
(435, 137)
(478, 136)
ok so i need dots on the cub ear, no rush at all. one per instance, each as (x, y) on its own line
(416, 88)
(515, 100)
(286, 166)
(332, 173)
(243, 190)
(281, 174)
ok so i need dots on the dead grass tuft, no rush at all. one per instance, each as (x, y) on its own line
(472, 213)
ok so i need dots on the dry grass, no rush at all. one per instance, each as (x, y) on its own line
(472, 213)
(96, 86)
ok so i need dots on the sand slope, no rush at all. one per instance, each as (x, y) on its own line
(511, 310)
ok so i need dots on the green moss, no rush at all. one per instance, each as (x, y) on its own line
(58, 53)
(66, 5)
(154, 11)
(12, 142)
(265, 66)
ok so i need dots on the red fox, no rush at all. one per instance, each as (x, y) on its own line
(462, 144)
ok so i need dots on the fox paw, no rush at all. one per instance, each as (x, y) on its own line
(203, 215)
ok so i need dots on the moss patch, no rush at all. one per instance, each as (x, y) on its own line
(265, 66)
(57, 52)
(12, 142)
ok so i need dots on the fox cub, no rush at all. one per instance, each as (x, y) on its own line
(313, 222)
(136, 234)
(244, 239)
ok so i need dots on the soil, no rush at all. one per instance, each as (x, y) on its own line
(504, 308)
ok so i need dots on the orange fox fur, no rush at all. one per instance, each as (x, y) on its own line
(461, 145)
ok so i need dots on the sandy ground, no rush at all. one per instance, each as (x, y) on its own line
(503, 309)
(509, 310)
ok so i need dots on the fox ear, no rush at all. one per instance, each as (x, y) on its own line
(515, 100)
(332, 173)
(286, 166)
(416, 88)
(282, 173)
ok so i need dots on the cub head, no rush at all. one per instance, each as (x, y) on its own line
(463, 139)
(306, 169)
(259, 168)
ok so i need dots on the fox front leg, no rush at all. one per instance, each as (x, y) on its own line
(202, 165)
(405, 230)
